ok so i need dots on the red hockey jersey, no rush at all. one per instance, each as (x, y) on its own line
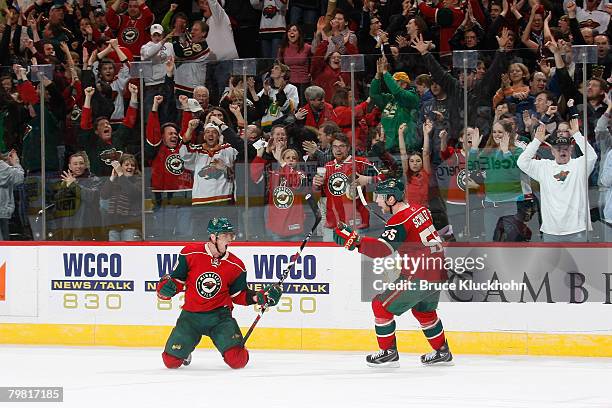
(210, 282)
(285, 203)
(411, 233)
(132, 33)
(168, 172)
(338, 178)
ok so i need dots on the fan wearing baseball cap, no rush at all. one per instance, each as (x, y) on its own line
(397, 106)
(158, 51)
(562, 183)
(402, 78)
(213, 168)
(156, 29)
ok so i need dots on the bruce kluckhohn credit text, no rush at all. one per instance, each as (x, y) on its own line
(458, 265)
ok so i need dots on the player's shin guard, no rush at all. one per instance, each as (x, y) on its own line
(171, 361)
(236, 357)
(432, 328)
(384, 326)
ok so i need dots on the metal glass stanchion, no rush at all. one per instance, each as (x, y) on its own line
(466, 60)
(585, 54)
(40, 73)
(352, 64)
(142, 70)
(245, 67)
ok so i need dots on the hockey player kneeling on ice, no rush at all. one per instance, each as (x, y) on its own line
(213, 280)
(411, 233)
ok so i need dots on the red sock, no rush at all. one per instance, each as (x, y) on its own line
(432, 328)
(384, 325)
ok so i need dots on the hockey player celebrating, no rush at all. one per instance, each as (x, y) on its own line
(411, 233)
(214, 280)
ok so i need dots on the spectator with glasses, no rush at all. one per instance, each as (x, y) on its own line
(373, 41)
(338, 184)
(468, 35)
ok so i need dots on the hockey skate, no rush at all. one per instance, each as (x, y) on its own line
(383, 358)
(187, 361)
(442, 356)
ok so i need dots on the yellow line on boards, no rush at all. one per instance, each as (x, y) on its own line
(513, 343)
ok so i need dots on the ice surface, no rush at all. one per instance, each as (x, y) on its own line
(121, 377)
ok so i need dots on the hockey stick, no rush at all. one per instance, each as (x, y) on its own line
(317, 214)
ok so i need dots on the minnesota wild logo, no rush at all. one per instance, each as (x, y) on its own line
(174, 164)
(130, 35)
(283, 197)
(461, 180)
(562, 175)
(210, 172)
(208, 285)
(338, 183)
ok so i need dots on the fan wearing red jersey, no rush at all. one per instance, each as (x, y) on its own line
(336, 185)
(410, 233)
(213, 280)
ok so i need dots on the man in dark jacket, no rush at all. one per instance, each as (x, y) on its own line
(97, 137)
(480, 93)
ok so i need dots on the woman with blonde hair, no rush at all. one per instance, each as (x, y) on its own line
(232, 102)
(514, 85)
(502, 182)
(285, 189)
(124, 194)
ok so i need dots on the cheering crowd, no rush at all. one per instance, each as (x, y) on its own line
(217, 146)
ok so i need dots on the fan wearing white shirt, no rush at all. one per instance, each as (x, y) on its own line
(221, 42)
(563, 183)
(158, 51)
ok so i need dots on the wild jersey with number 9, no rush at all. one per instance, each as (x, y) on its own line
(411, 233)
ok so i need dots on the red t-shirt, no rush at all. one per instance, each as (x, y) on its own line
(417, 190)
